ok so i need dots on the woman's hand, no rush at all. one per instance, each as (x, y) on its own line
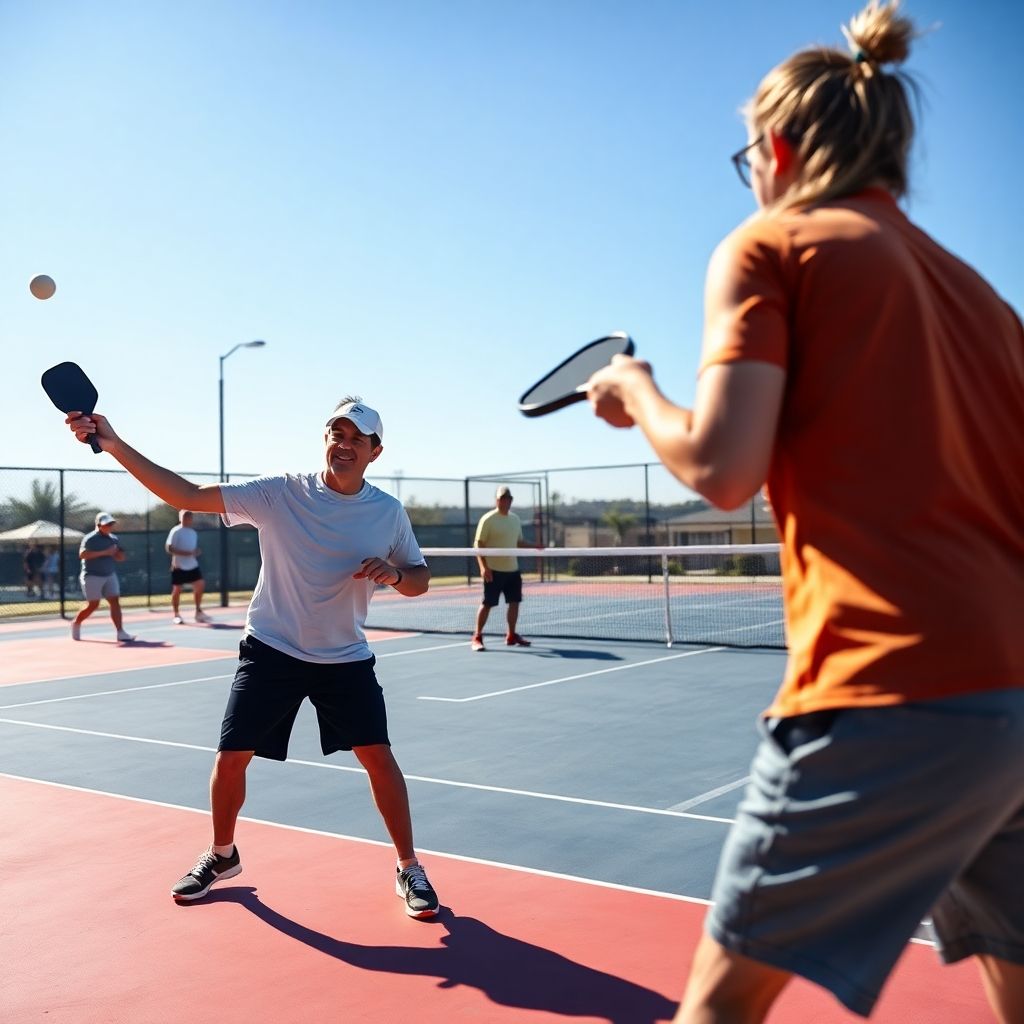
(609, 390)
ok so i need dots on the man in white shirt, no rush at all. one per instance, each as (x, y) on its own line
(183, 547)
(327, 540)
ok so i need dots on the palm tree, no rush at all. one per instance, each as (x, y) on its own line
(620, 522)
(44, 503)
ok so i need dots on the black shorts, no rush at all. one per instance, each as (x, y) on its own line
(269, 687)
(180, 576)
(508, 583)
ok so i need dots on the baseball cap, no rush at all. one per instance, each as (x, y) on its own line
(104, 519)
(367, 420)
(503, 492)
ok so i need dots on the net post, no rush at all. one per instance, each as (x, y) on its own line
(668, 605)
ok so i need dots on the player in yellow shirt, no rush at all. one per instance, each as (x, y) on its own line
(500, 528)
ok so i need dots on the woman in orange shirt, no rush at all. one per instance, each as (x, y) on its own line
(876, 382)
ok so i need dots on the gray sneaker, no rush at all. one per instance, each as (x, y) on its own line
(412, 885)
(210, 868)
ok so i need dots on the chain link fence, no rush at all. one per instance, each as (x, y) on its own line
(45, 512)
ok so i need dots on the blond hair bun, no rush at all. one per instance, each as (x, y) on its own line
(879, 34)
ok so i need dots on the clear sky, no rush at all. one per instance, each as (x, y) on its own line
(426, 202)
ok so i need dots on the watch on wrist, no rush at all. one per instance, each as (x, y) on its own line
(400, 576)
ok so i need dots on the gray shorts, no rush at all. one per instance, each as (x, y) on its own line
(859, 823)
(96, 587)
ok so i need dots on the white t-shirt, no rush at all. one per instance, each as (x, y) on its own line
(184, 538)
(312, 539)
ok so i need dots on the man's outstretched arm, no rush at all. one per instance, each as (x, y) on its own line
(168, 486)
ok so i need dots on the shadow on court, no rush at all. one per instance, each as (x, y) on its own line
(124, 643)
(572, 653)
(218, 625)
(508, 971)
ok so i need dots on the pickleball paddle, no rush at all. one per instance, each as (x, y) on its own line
(67, 386)
(567, 382)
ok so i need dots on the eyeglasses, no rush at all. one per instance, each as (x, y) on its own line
(741, 160)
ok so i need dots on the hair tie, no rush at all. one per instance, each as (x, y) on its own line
(861, 57)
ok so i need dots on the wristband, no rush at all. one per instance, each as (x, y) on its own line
(400, 576)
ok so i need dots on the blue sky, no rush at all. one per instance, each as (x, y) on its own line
(427, 203)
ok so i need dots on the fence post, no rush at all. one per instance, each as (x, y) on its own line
(60, 517)
(222, 532)
(469, 541)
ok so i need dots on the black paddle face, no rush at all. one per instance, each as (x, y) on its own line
(565, 384)
(70, 390)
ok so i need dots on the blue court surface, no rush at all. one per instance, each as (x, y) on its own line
(599, 759)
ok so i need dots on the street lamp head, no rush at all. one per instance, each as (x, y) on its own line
(255, 344)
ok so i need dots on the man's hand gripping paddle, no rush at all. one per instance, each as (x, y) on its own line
(67, 386)
(567, 382)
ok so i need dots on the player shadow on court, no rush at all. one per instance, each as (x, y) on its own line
(509, 971)
(573, 654)
(125, 643)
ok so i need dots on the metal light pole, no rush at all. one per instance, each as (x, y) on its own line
(223, 528)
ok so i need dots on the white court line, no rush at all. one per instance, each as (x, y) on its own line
(461, 858)
(107, 693)
(375, 842)
(182, 682)
(567, 679)
(411, 635)
(116, 671)
(420, 650)
(759, 625)
(409, 778)
(685, 805)
(106, 735)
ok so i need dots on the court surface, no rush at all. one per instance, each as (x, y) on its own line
(569, 802)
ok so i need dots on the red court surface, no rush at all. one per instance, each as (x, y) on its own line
(312, 931)
(60, 657)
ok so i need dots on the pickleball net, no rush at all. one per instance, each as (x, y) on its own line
(728, 595)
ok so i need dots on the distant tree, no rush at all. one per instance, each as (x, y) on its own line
(44, 503)
(162, 517)
(424, 515)
(620, 522)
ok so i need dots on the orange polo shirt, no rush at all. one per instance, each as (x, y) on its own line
(897, 477)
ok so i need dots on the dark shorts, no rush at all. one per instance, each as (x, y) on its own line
(180, 576)
(859, 823)
(508, 583)
(269, 687)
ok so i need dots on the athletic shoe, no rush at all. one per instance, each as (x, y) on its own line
(209, 868)
(201, 616)
(123, 637)
(477, 643)
(412, 885)
(515, 640)
(178, 620)
(76, 631)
